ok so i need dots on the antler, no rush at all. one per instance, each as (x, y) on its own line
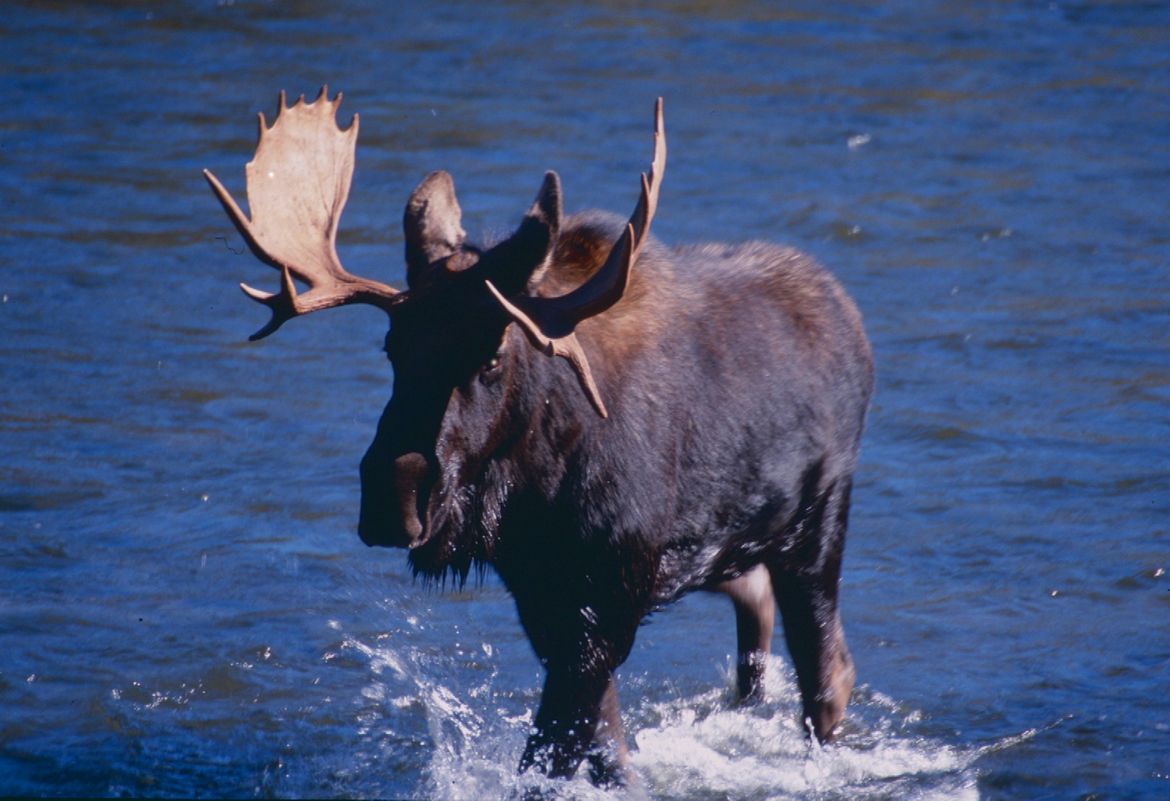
(297, 184)
(550, 322)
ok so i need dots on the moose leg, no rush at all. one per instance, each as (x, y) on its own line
(582, 628)
(578, 716)
(755, 612)
(816, 641)
(609, 756)
(807, 597)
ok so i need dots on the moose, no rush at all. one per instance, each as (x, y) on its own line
(606, 421)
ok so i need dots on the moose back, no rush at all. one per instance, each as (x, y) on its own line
(606, 421)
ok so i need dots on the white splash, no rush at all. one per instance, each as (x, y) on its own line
(704, 746)
(689, 747)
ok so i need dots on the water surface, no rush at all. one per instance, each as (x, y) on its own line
(185, 607)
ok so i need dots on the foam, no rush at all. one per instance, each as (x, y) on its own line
(686, 745)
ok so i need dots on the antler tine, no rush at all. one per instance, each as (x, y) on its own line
(237, 216)
(298, 182)
(282, 304)
(651, 182)
(550, 323)
(608, 284)
(288, 303)
(561, 315)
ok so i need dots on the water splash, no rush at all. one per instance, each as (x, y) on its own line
(688, 746)
(704, 746)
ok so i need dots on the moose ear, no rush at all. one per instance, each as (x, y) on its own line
(511, 263)
(431, 223)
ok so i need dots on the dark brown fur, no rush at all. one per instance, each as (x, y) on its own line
(737, 379)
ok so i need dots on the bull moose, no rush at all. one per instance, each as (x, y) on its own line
(606, 421)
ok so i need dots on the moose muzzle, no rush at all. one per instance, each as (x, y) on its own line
(393, 499)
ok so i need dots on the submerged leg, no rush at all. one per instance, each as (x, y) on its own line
(566, 721)
(579, 717)
(816, 641)
(807, 596)
(609, 756)
(755, 612)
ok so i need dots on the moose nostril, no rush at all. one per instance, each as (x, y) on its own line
(409, 461)
(410, 470)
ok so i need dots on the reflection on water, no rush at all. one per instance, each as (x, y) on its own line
(186, 609)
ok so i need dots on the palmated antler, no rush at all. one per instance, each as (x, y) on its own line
(550, 323)
(297, 183)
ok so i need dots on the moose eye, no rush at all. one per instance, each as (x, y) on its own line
(491, 369)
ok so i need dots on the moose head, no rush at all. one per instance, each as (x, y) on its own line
(472, 344)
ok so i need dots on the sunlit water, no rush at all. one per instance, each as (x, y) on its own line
(185, 609)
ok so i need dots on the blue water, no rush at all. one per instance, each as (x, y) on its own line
(185, 608)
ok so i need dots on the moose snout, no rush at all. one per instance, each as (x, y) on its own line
(392, 498)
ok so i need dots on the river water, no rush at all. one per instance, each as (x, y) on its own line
(185, 607)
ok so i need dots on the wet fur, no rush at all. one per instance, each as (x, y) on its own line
(737, 379)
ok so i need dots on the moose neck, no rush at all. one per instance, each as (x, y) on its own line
(549, 417)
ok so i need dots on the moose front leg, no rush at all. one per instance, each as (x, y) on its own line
(582, 631)
(609, 757)
(579, 717)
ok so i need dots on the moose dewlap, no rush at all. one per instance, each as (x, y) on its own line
(606, 421)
